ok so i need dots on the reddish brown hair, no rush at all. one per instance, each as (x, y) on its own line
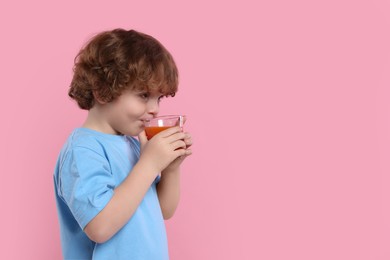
(116, 60)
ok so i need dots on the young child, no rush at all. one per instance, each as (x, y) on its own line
(113, 191)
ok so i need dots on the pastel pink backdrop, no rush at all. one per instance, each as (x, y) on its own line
(287, 101)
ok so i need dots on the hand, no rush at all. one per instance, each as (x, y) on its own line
(163, 148)
(177, 162)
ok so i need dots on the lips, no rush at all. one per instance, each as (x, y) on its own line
(146, 119)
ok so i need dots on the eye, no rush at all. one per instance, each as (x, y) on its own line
(144, 95)
(159, 99)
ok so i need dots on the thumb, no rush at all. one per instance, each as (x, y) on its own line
(142, 138)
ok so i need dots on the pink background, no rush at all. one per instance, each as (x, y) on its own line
(287, 101)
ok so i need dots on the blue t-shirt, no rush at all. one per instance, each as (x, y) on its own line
(91, 164)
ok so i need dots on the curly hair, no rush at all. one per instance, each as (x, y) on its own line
(116, 60)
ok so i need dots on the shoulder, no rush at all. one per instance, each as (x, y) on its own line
(81, 155)
(82, 140)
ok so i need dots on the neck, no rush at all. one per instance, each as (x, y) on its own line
(96, 121)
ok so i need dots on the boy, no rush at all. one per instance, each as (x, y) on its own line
(111, 198)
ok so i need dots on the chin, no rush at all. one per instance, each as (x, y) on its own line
(134, 132)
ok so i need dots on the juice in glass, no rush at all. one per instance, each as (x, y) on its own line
(158, 124)
(153, 130)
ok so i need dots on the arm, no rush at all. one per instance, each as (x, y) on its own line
(168, 189)
(156, 155)
(122, 205)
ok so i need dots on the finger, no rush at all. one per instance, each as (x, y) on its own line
(188, 140)
(188, 144)
(183, 154)
(187, 153)
(175, 137)
(142, 138)
(179, 144)
(180, 152)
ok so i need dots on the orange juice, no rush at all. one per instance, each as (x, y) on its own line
(153, 130)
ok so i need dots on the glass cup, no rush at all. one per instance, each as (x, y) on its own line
(156, 125)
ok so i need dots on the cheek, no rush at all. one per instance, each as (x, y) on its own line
(136, 109)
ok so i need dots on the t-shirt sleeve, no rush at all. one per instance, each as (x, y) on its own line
(87, 184)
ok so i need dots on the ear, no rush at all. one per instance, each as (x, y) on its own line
(97, 98)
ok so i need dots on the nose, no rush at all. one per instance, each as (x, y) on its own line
(153, 107)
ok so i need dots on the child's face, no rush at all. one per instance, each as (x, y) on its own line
(127, 114)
